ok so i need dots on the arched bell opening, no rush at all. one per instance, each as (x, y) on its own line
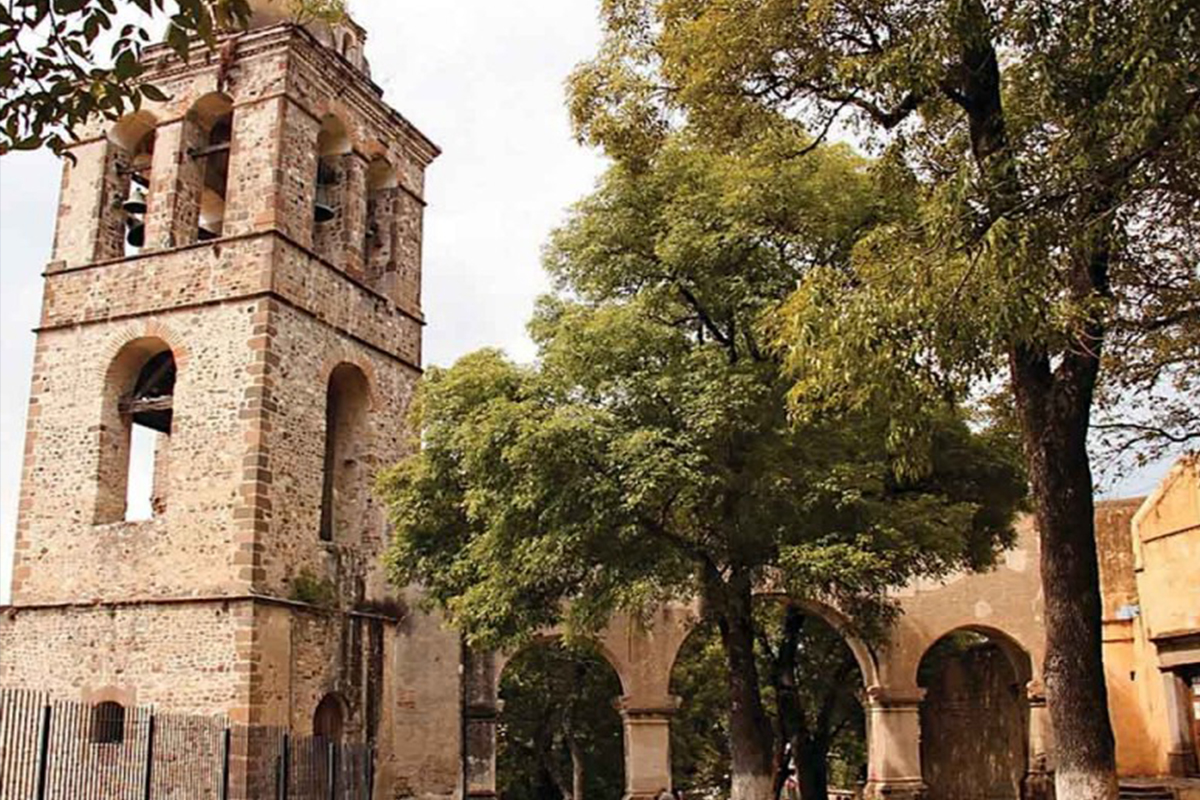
(975, 716)
(212, 117)
(813, 688)
(333, 144)
(135, 433)
(381, 243)
(558, 731)
(131, 161)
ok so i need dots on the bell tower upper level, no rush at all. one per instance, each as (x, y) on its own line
(236, 270)
(278, 130)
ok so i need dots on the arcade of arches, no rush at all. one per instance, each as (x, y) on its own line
(966, 652)
(958, 681)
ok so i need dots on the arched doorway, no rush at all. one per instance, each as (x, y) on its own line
(329, 723)
(813, 686)
(975, 716)
(558, 733)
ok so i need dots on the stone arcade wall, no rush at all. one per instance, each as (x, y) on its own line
(1002, 605)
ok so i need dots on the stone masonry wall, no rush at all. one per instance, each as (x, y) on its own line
(180, 657)
(61, 555)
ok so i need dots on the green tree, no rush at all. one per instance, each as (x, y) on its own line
(52, 79)
(648, 454)
(812, 689)
(559, 734)
(1051, 152)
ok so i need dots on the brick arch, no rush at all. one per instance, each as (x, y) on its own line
(332, 107)
(132, 128)
(150, 329)
(344, 358)
(373, 148)
(504, 658)
(109, 693)
(1019, 656)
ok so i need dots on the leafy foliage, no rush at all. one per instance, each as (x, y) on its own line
(650, 441)
(648, 454)
(52, 79)
(1028, 137)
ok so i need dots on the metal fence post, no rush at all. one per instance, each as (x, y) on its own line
(226, 742)
(285, 761)
(331, 771)
(43, 763)
(370, 771)
(148, 780)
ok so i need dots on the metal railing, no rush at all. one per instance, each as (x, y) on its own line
(62, 750)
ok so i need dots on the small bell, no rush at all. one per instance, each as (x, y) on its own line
(323, 209)
(206, 235)
(136, 202)
(136, 236)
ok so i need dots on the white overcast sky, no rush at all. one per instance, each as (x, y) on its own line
(484, 80)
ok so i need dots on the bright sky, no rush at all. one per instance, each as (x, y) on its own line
(484, 80)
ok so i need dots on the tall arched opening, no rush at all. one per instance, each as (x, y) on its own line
(347, 440)
(813, 686)
(558, 732)
(135, 433)
(204, 169)
(975, 716)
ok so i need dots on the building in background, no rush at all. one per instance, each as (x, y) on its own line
(1150, 576)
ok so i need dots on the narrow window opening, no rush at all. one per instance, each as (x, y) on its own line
(343, 491)
(108, 723)
(333, 142)
(382, 244)
(127, 190)
(204, 170)
(137, 197)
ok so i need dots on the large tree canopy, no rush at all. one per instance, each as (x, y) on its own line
(648, 454)
(53, 76)
(1052, 155)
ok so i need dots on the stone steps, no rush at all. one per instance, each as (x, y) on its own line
(1147, 793)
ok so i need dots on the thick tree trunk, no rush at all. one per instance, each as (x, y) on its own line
(814, 771)
(751, 736)
(1055, 407)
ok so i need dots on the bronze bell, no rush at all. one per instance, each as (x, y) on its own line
(323, 209)
(136, 236)
(136, 202)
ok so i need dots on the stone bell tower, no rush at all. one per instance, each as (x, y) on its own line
(230, 336)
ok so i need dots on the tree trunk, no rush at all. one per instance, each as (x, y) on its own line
(751, 736)
(814, 771)
(577, 773)
(1055, 407)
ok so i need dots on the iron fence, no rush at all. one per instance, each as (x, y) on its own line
(62, 750)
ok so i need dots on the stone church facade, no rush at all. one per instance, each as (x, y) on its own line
(236, 280)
